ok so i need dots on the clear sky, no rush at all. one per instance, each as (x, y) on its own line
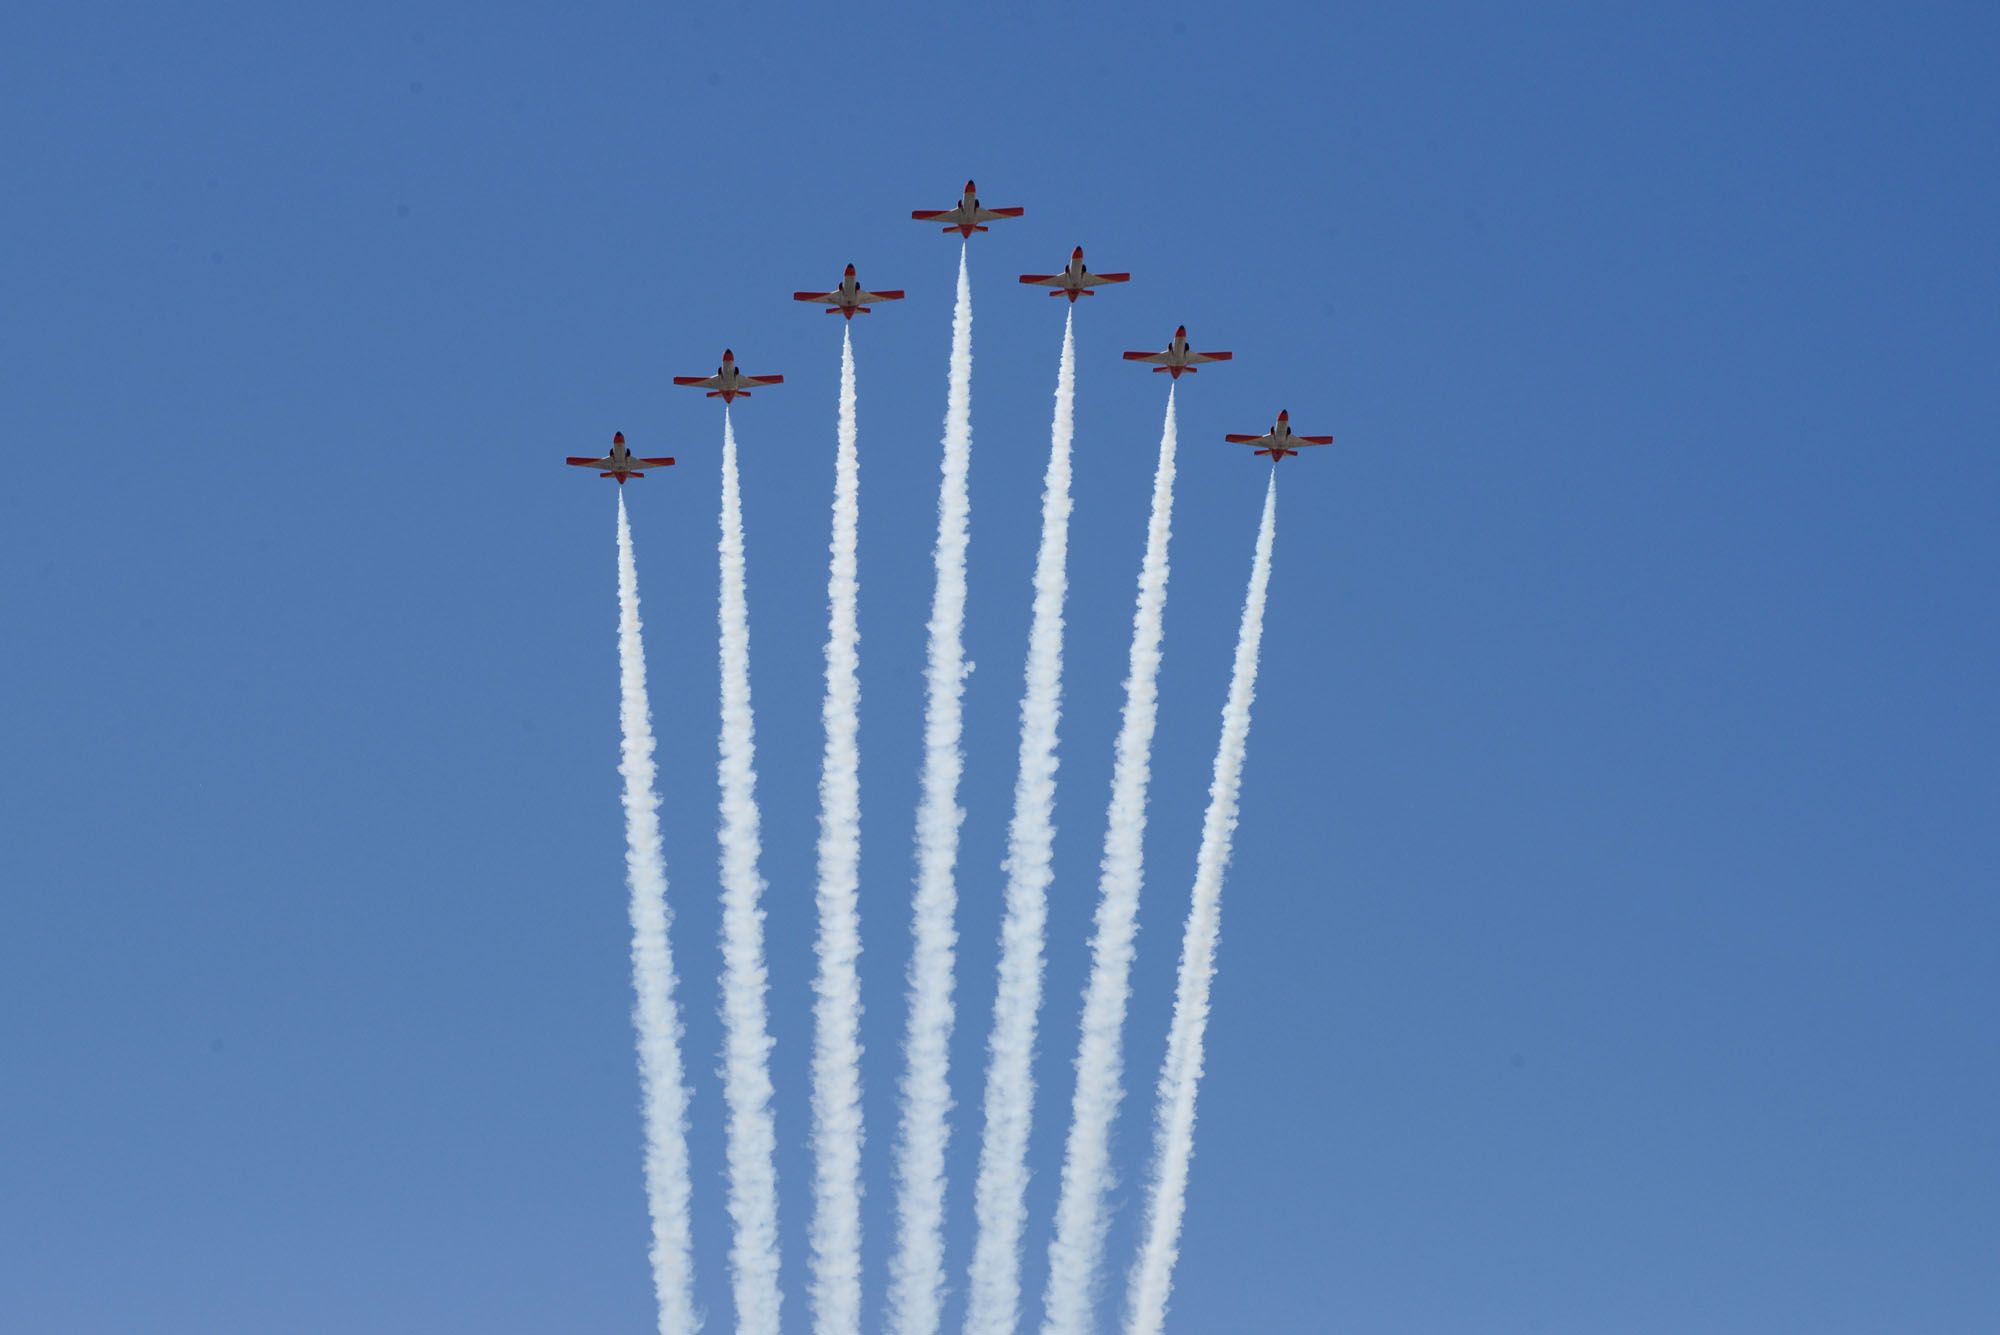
(1611, 944)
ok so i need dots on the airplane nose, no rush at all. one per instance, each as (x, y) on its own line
(970, 187)
(1076, 254)
(850, 271)
(1181, 332)
(618, 438)
(727, 355)
(1284, 416)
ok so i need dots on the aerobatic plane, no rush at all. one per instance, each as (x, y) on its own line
(849, 297)
(1279, 440)
(1178, 357)
(620, 463)
(968, 217)
(728, 383)
(1074, 281)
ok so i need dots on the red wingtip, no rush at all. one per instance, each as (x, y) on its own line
(618, 438)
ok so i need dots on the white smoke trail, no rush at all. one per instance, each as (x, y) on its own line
(994, 1302)
(1180, 1075)
(655, 1018)
(916, 1284)
(836, 1226)
(753, 1179)
(1078, 1246)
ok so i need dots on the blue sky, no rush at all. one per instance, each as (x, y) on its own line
(1610, 944)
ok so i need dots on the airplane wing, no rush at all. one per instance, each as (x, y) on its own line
(828, 297)
(704, 381)
(1044, 279)
(1095, 279)
(605, 462)
(1159, 358)
(653, 463)
(1203, 358)
(931, 215)
(986, 214)
(894, 294)
(763, 379)
(1312, 440)
(1249, 440)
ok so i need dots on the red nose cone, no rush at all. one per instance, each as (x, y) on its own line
(728, 356)
(850, 271)
(618, 438)
(1076, 254)
(970, 188)
(1284, 417)
(1181, 332)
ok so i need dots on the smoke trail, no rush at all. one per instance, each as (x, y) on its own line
(1086, 1177)
(1180, 1075)
(836, 1227)
(916, 1285)
(753, 1181)
(994, 1307)
(655, 1019)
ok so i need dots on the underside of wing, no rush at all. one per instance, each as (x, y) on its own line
(985, 214)
(816, 296)
(1248, 440)
(1202, 358)
(1158, 358)
(894, 294)
(763, 380)
(1312, 440)
(705, 381)
(588, 463)
(928, 215)
(667, 462)
(1093, 279)
(1044, 279)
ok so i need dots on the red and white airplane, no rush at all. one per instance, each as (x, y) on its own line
(728, 383)
(849, 297)
(1075, 281)
(968, 216)
(1279, 441)
(1179, 356)
(620, 463)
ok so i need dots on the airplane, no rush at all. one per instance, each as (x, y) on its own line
(1279, 440)
(728, 383)
(1178, 357)
(849, 297)
(620, 463)
(1074, 281)
(967, 217)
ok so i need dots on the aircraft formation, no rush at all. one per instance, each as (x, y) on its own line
(850, 299)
